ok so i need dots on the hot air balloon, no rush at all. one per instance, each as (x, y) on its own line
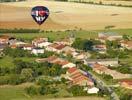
(40, 14)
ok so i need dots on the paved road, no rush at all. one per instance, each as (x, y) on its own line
(103, 85)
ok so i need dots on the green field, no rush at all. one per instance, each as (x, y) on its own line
(55, 35)
(63, 34)
(18, 93)
(12, 93)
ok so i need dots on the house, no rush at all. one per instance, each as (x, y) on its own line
(27, 47)
(69, 65)
(105, 62)
(109, 36)
(55, 60)
(38, 41)
(101, 69)
(81, 56)
(72, 70)
(55, 47)
(17, 44)
(65, 41)
(93, 90)
(68, 49)
(100, 48)
(76, 77)
(62, 62)
(12, 41)
(37, 51)
(126, 83)
(43, 44)
(4, 39)
(126, 44)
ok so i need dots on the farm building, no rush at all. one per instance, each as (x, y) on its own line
(105, 62)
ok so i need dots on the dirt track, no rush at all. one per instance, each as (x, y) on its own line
(65, 15)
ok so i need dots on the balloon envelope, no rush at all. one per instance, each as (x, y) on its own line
(40, 14)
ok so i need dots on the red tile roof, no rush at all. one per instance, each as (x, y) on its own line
(4, 37)
(77, 76)
(39, 40)
(57, 46)
(79, 79)
(100, 46)
(99, 67)
(71, 70)
(126, 81)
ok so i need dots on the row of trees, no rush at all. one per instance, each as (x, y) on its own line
(18, 52)
(45, 86)
(28, 71)
(21, 30)
(101, 3)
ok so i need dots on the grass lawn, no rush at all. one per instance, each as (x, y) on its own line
(127, 61)
(11, 93)
(56, 35)
(60, 35)
(6, 62)
(120, 31)
(121, 90)
(18, 93)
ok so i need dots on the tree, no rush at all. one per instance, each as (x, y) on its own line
(27, 74)
(125, 37)
(42, 90)
(112, 44)
(107, 77)
(19, 65)
(85, 67)
(18, 52)
(83, 44)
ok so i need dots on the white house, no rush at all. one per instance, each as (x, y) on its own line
(55, 47)
(69, 65)
(43, 44)
(81, 56)
(105, 62)
(126, 44)
(37, 51)
(100, 48)
(109, 36)
(37, 41)
(93, 90)
(27, 47)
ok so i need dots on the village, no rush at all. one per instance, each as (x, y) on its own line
(70, 58)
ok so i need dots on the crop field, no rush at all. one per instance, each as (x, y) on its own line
(65, 15)
(117, 2)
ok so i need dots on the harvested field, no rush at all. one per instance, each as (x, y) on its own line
(65, 15)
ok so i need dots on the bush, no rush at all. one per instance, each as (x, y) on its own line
(77, 91)
(32, 90)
